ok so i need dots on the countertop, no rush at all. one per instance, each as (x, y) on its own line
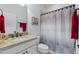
(16, 40)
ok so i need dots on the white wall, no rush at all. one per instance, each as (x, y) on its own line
(34, 11)
(12, 13)
(14, 9)
(55, 7)
(77, 6)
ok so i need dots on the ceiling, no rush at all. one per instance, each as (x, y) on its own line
(47, 5)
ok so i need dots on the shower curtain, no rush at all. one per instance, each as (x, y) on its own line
(56, 30)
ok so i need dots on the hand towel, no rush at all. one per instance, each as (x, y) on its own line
(74, 30)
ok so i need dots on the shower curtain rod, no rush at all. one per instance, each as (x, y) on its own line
(58, 9)
(77, 9)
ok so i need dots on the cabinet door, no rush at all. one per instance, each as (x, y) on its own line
(30, 50)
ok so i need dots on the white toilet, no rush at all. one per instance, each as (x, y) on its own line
(43, 49)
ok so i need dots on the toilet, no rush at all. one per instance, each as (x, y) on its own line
(43, 49)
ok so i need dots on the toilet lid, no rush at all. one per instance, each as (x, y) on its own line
(43, 46)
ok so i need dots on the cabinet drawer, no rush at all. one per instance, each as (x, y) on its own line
(30, 50)
(19, 47)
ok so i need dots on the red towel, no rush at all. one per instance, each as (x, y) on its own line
(23, 26)
(2, 24)
(74, 31)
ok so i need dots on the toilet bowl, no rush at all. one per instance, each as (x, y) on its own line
(42, 48)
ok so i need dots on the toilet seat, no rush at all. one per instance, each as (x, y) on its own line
(42, 48)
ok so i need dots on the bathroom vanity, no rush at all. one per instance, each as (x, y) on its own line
(77, 47)
(21, 45)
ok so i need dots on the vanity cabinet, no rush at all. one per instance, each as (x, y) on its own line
(26, 47)
(30, 50)
(77, 49)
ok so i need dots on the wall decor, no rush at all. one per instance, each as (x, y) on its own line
(34, 21)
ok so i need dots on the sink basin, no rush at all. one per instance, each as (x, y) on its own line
(26, 36)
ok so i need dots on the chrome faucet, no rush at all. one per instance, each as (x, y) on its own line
(16, 34)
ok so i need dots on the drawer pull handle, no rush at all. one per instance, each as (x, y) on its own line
(23, 53)
(26, 51)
